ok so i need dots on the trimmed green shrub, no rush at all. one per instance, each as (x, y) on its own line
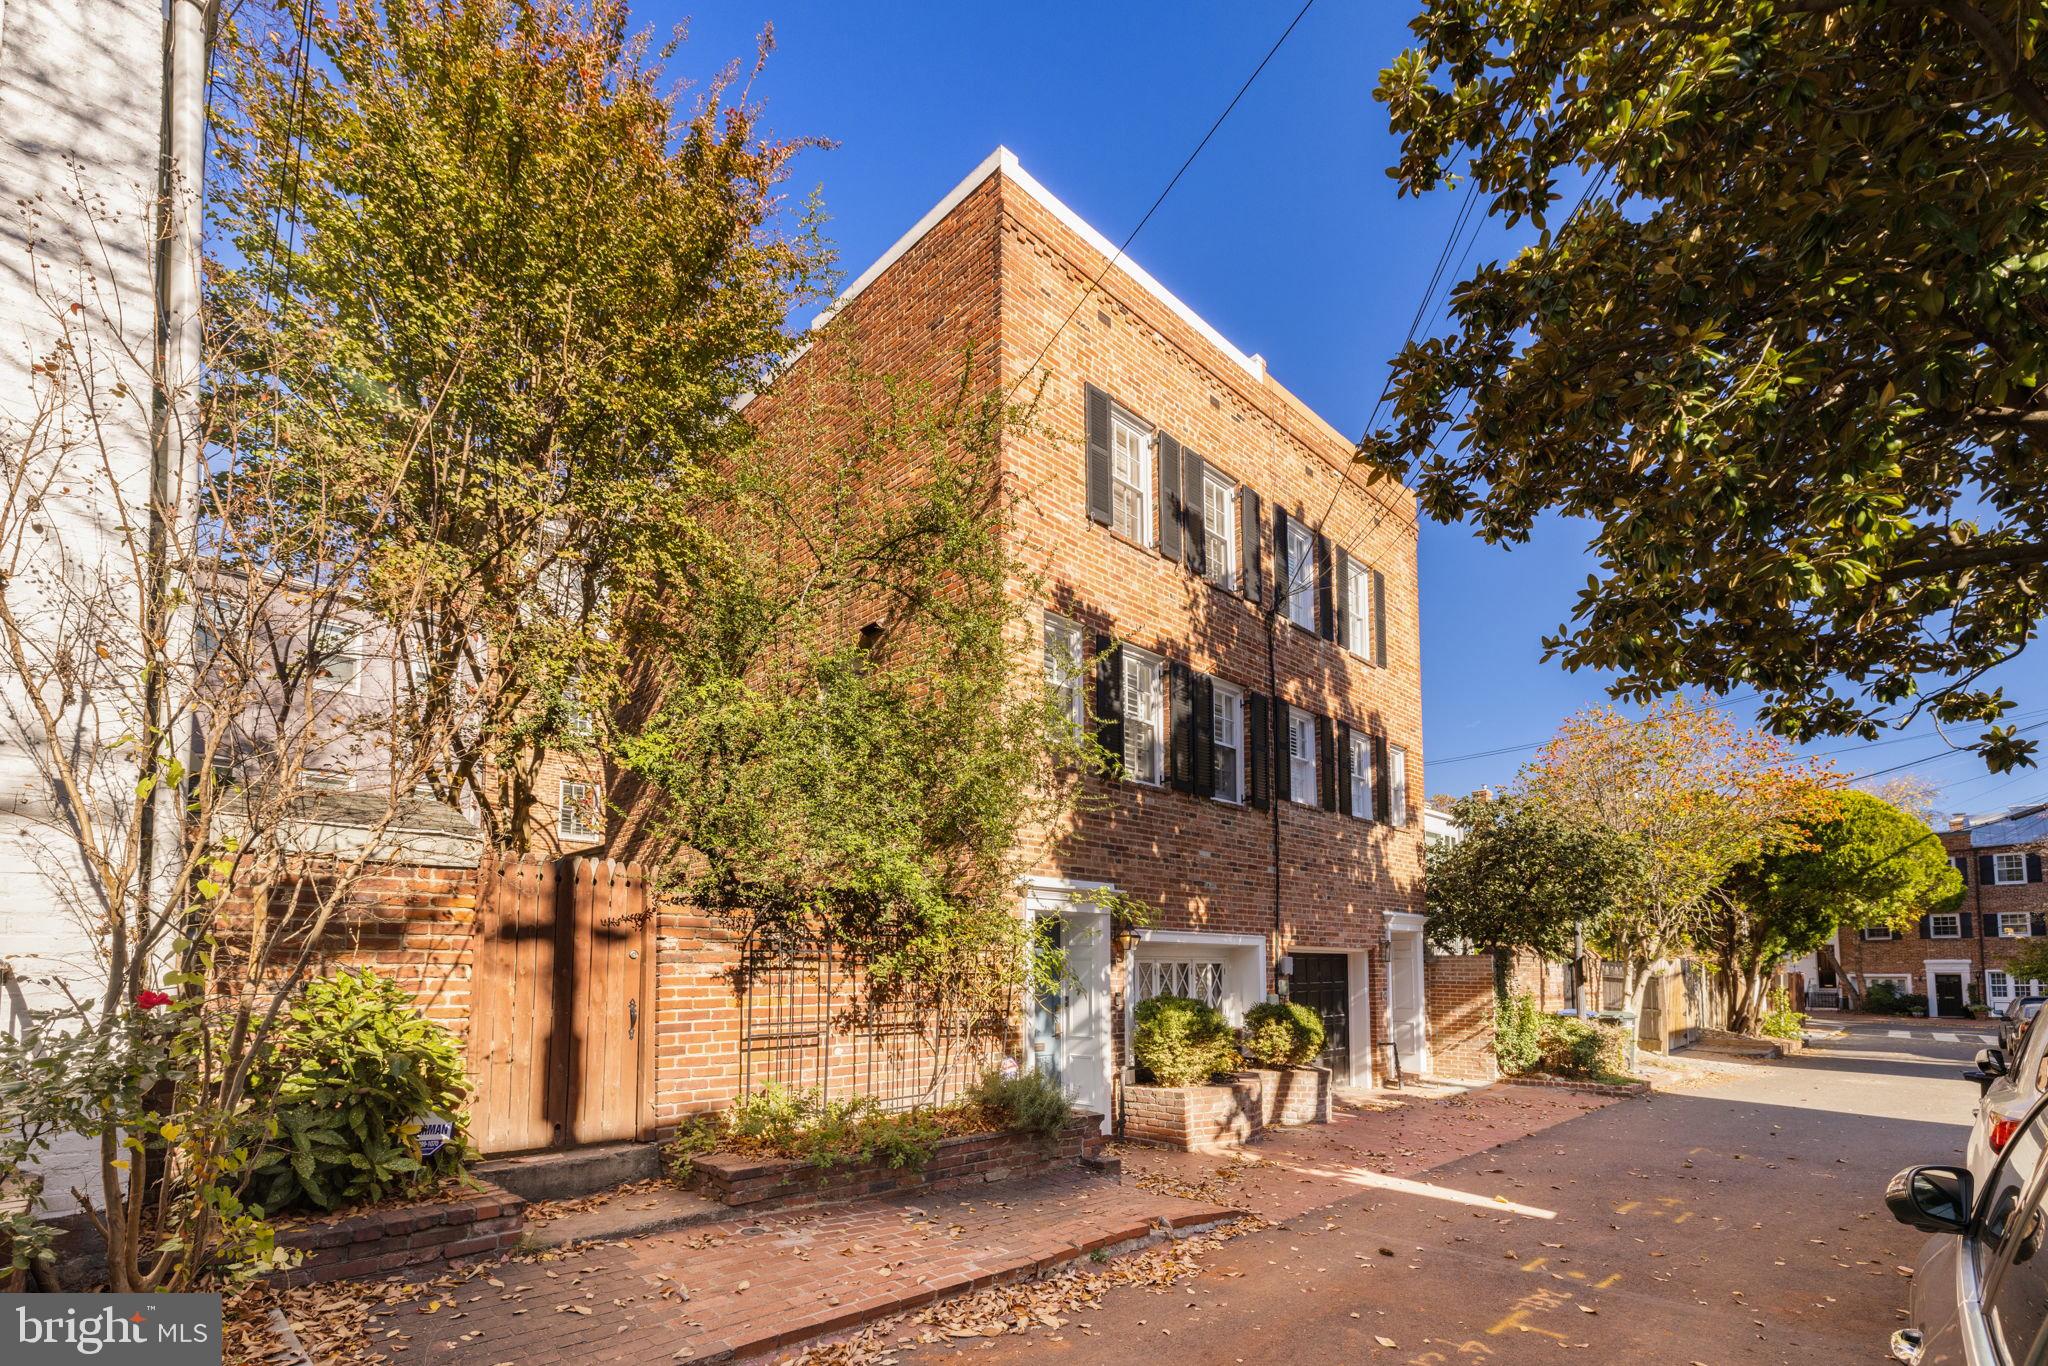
(1581, 1048)
(351, 1067)
(1780, 1020)
(1029, 1103)
(1517, 1034)
(1182, 1042)
(1282, 1034)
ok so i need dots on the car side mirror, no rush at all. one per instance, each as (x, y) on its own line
(1931, 1199)
(1991, 1065)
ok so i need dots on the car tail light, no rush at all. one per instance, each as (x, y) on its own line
(2002, 1131)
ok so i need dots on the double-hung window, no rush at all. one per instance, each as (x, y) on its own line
(1361, 775)
(336, 665)
(576, 811)
(1945, 926)
(1301, 575)
(1144, 717)
(2015, 925)
(2007, 869)
(1063, 666)
(1227, 725)
(1219, 529)
(1397, 785)
(1130, 478)
(1301, 757)
(1357, 608)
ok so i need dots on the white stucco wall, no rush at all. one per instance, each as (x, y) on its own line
(80, 84)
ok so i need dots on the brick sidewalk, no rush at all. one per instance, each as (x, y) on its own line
(747, 1285)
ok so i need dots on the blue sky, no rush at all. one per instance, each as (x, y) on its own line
(1286, 235)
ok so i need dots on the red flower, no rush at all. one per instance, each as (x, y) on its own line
(150, 1000)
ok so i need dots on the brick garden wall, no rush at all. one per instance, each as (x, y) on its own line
(379, 1242)
(1460, 999)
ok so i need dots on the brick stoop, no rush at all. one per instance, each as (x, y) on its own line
(750, 1285)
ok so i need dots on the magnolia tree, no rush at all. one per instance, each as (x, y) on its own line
(1856, 862)
(1694, 795)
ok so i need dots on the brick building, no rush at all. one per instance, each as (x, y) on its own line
(1960, 957)
(1219, 589)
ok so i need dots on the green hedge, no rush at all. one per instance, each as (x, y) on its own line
(1182, 1042)
(1282, 1034)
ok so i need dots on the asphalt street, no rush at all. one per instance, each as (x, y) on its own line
(1739, 1220)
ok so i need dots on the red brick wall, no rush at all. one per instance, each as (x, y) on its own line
(999, 278)
(1980, 945)
(1459, 993)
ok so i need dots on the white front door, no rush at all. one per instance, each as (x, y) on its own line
(1405, 1003)
(1084, 1046)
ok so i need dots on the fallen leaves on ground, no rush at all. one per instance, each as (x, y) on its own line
(1048, 1304)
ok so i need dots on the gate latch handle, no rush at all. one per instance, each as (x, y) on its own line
(632, 1017)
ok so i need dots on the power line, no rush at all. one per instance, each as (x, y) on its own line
(1124, 246)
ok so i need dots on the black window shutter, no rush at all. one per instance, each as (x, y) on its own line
(1379, 619)
(1326, 763)
(1925, 931)
(1109, 697)
(1257, 764)
(1985, 870)
(1182, 735)
(1167, 505)
(1340, 594)
(1205, 735)
(1382, 805)
(1326, 614)
(1098, 456)
(1193, 521)
(2033, 867)
(2037, 925)
(1250, 542)
(1344, 770)
(1283, 572)
(1969, 932)
(1283, 767)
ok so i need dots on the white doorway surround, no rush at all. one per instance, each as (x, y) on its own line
(1358, 1010)
(1069, 1035)
(1407, 995)
(1962, 969)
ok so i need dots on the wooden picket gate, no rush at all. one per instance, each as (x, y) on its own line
(561, 1044)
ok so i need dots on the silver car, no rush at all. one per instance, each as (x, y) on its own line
(2012, 1083)
(1980, 1288)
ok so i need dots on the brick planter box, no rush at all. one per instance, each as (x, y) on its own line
(378, 1242)
(1195, 1118)
(741, 1180)
(1290, 1095)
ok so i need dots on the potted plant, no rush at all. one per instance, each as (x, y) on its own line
(1180, 1044)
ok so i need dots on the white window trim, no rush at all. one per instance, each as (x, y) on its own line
(327, 779)
(1998, 866)
(1071, 668)
(1361, 773)
(1902, 980)
(1877, 934)
(1244, 972)
(1313, 797)
(1954, 918)
(1301, 576)
(1221, 569)
(1231, 692)
(2026, 920)
(1130, 659)
(568, 814)
(1121, 421)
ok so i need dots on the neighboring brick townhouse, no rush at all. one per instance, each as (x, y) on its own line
(1960, 957)
(1223, 591)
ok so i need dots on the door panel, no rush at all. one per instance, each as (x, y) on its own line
(1322, 982)
(1404, 993)
(1084, 1025)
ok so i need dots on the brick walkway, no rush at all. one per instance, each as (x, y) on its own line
(747, 1285)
